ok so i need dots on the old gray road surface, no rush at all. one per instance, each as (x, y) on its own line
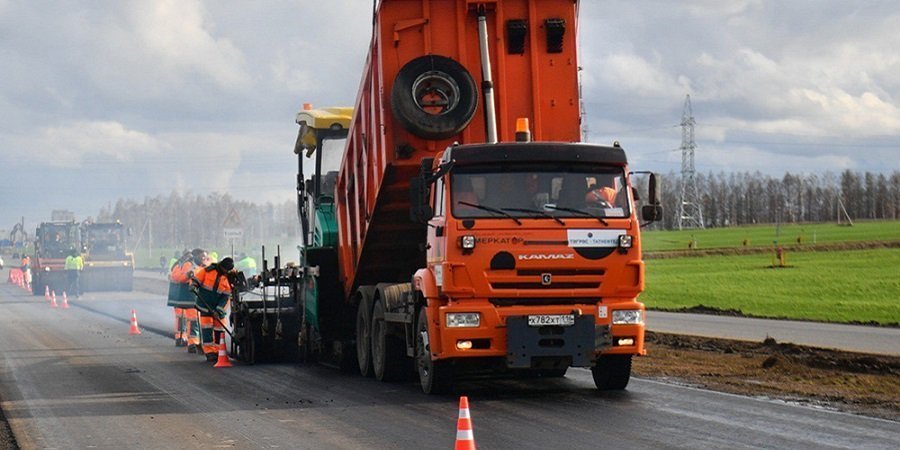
(75, 379)
(854, 338)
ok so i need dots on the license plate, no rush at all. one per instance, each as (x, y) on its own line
(564, 320)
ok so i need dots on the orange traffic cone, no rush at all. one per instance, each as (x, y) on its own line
(47, 293)
(134, 326)
(223, 355)
(53, 300)
(65, 304)
(465, 439)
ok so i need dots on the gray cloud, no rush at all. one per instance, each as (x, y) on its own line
(132, 98)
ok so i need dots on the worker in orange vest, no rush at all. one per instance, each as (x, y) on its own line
(173, 298)
(603, 196)
(186, 318)
(213, 291)
(26, 270)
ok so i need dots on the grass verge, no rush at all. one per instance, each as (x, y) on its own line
(765, 235)
(860, 286)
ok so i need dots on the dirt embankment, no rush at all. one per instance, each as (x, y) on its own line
(852, 382)
(731, 251)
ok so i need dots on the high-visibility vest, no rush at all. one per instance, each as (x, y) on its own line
(79, 263)
(181, 274)
(247, 265)
(71, 264)
(213, 292)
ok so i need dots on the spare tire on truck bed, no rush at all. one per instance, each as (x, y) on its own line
(434, 97)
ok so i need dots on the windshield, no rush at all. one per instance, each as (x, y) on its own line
(104, 239)
(332, 154)
(57, 241)
(544, 191)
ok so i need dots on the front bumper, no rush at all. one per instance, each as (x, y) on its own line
(505, 333)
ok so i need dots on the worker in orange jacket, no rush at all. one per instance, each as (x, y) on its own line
(603, 196)
(213, 291)
(173, 298)
(26, 270)
(186, 318)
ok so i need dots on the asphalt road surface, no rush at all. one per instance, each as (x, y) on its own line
(854, 338)
(75, 378)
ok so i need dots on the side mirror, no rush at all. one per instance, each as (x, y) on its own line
(653, 190)
(420, 210)
(653, 211)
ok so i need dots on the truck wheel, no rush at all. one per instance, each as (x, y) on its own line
(36, 287)
(364, 333)
(612, 372)
(436, 377)
(388, 355)
(434, 97)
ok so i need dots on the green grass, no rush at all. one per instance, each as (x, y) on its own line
(764, 235)
(839, 286)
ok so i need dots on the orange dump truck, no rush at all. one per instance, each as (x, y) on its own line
(466, 231)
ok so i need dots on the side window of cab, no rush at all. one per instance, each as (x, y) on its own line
(439, 196)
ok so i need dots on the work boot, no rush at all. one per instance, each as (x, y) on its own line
(212, 357)
(180, 342)
(192, 348)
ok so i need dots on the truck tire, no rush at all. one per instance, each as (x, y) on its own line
(612, 372)
(364, 331)
(388, 353)
(434, 97)
(37, 287)
(435, 377)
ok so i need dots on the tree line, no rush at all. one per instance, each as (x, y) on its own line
(743, 198)
(193, 220)
(739, 198)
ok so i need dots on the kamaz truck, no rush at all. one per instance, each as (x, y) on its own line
(108, 266)
(466, 230)
(54, 241)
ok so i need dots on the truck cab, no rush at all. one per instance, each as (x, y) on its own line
(533, 260)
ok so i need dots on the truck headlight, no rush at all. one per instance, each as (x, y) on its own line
(46, 268)
(627, 317)
(467, 242)
(463, 320)
(625, 240)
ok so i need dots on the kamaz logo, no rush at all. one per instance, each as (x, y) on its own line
(546, 256)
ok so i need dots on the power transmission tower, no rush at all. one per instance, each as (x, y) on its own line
(689, 212)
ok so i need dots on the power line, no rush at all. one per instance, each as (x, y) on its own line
(689, 213)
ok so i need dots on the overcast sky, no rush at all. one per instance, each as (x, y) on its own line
(105, 99)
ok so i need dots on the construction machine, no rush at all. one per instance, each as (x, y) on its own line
(54, 241)
(107, 264)
(467, 230)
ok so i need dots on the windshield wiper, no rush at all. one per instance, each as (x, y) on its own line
(579, 212)
(536, 211)
(490, 209)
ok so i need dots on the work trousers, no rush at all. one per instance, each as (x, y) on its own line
(187, 328)
(74, 282)
(211, 332)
